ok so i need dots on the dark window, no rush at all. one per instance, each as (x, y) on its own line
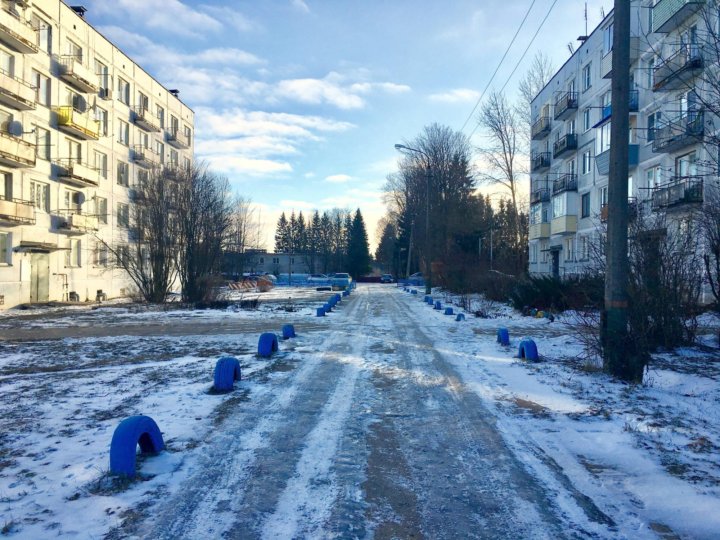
(586, 205)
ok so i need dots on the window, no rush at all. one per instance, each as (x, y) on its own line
(569, 251)
(123, 215)
(100, 254)
(276, 260)
(160, 150)
(652, 177)
(6, 186)
(586, 78)
(122, 173)
(144, 141)
(188, 134)
(40, 195)
(570, 127)
(603, 196)
(142, 178)
(72, 255)
(586, 120)
(262, 260)
(586, 163)
(559, 205)
(143, 103)
(42, 88)
(174, 158)
(5, 248)
(651, 72)
(533, 253)
(123, 255)
(44, 34)
(74, 150)
(584, 248)
(42, 143)
(123, 132)
(101, 164)
(103, 78)
(7, 63)
(535, 214)
(101, 115)
(101, 209)
(653, 124)
(174, 125)
(161, 116)
(186, 162)
(608, 39)
(75, 100)
(74, 50)
(73, 201)
(603, 140)
(585, 205)
(686, 165)
(123, 91)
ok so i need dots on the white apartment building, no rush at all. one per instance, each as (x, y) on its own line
(81, 123)
(571, 132)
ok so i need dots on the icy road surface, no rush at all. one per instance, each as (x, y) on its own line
(372, 435)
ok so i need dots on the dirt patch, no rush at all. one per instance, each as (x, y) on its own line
(526, 406)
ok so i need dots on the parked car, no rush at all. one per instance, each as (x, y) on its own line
(340, 280)
(386, 278)
(318, 278)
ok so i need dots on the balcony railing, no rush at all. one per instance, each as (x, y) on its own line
(15, 152)
(146, 120)
(145, 157)
(539, 194)
(76, 223)
(17, 32)
(16, 93)
(565, 105)
(679, 191)
(178, 139)
(540, 162)
(686, 130)
(566, 144)
(677, 70)
(632, 209)
(78, 174)
(80, 124)
(607, 61)
(566, 182)
(75, 73)
(15, 212)
(667, 15)
(539, 230)
(541, 128)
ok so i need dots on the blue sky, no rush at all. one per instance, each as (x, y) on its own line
(299, 102)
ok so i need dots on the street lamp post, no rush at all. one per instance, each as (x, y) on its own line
(428, 266)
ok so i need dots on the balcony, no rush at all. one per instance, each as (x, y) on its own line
(539, 230)
(540, 162)
(632, 210)
(541, 128)
(78, 224)
(178, 139)
(78, 174)
(14, 212)
(144, 119)
(17, 33)
(15, 152)
(16, 93)
(686, 130)
(145, 157)
(567, 144)
(606, 63)
(667, 15)
(566, 105)
(79, 124)
(74, 73)
(539, 194)
(679, 69)
(563, 225)
(602, 161)
(679, 191)
(566, 182)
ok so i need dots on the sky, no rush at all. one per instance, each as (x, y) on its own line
(300, 102)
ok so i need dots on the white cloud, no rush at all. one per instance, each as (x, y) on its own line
(300, 5)
(318, 91)
(309, 175)
(262, 146)
(232, 18)
(293, 204)
(458, 95)
(234, 164)
(338, 178)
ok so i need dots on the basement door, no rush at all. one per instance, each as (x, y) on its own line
(39, 277)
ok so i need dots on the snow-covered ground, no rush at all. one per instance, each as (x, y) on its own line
(625, 461)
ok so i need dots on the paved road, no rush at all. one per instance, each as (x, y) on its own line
(375, 436)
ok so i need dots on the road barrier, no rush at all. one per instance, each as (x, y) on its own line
(460, 317)
(227, 371)
(438, 305)
(130, 432)
(320, 312)
(427, 299)
(288, 331)
(528, 350)
(267, 344)
(448, 311)
(503, 337)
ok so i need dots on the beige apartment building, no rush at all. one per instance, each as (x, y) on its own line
(671, 167)
(81, 124)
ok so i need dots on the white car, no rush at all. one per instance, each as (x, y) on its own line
(341, 280)
(318, 278)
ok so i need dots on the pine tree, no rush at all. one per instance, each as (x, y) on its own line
(358, 250)
(314, 240)
(325, 242)
(386, 252)
(293, 239)
(282, 235)
(301, 240)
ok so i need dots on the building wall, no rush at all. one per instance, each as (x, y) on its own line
(567, 221)
(278, 263)
(106, 164)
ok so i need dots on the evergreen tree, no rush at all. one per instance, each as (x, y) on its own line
(314, 234)
(301, 240)
(325, 242)
(358, 250)
(282, 236)
(293, 239)
(386, 253)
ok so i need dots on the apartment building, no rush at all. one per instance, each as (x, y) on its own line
(571, 132)
(81, 124)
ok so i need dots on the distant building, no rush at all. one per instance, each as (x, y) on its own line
(571, 133)
(276, 263)
(81, 124)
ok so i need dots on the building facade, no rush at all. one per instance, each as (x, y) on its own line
(667, 140)
(81, 124)
(260, 261)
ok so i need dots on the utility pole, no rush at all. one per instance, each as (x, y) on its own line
(618, 358)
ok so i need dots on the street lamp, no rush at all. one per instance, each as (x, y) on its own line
(428, 262)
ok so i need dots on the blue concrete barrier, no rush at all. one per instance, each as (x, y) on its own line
(528, 351)
(448, 311)
(267, 344)
(227, 371)
(460, 317)
(320, 312)
(288, 331)
(503, 337)
(130, 432)
(413, 291)
(438, 305)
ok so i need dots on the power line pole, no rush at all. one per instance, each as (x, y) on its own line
(617, 356)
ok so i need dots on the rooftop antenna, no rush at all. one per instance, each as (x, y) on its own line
(571, 48)
(602, 12)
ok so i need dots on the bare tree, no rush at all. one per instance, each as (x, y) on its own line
(708, 218)
(244, 233)
(204, 216)
(537, 76)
